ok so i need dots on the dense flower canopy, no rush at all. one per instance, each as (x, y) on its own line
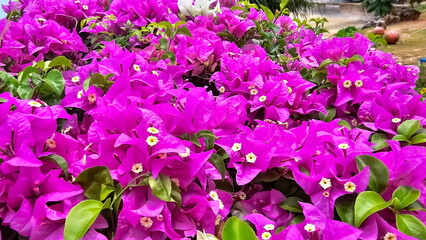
(170, 117)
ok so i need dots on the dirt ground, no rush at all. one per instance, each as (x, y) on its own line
(412, 44)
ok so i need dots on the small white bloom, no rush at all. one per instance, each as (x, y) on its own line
(136, 68)
(269, 227)
(266, 235)
(396, 120)
(153, 130)
(214, 195)
(85, 7)
(310, 227)
(350, 187)
(186, 154)
(34, 104)
(80, 94)
(325, 183)
(75, 79)
(347, 84)
(236, 147)
(200, 7)
(343, 146)
(151, 140)
(251, 158)
(359, 83)
(262, 98)
(137, 168)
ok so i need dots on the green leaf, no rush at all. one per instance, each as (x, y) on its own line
(96, 182)
(366, 204)
(297, 219)
(175, 194)
(408, 128)
(161, 187)
(218, 162)
(419, 138)
(60, 61)
(58, 160)
(236, 7)
(411, 226)
(236, 229)
(292, 204)
(355, 58)
(345, 208)
(10, 81)
(331, 113)
(326, 62)
(380, 140)
(415, 206)
(283, 3)
(379, 173)
(268, 13)
(184, 30)
(406, 194)
(400, 138)
(55, 80)
(80, 218)
(164, 44)
(206, 133)
(345, 124)
(194, 140)
(25, 92)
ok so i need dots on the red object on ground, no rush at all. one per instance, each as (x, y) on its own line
(391, 37)
(379, 31)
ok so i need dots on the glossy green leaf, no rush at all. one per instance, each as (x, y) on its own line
(379, 173)
(297, 219)
(268, 13)
(380, 140)
(283, 3)
(176, 194)
(218, 162)
(419, 138)
(58, 160)
(60, 61)
(80, 218)
(194, 140)
(415, 206)
(345, 124)
(400, 138)
(25, 92)
(10, 81)
(236, 229)
(366, 204)
(408, 128)
(406, 194)
(164, 43)
(184, 30)
(355, 58)
(345, 206)
(161, 187)
(206, 133)
(56, 81)
(292, 204)
(96, 182)
(411, 226)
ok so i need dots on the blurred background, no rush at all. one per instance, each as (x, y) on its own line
(2, 14)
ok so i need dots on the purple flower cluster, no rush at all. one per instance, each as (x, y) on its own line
(196, 123)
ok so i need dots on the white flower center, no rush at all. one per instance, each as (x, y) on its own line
(347, 84)
(153, 130)
(186, 154)
(34, 104)
(396, 120)
(310, 227)
(136, 68)
(359, 83)
(350, 187)
(137, 168)
(343, 146)
(75, 79)
(269, 227)
(262, 98)
(266, 235)
(236, 147)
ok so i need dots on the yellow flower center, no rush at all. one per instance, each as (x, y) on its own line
(262, 98)
(222, 89)
(34, 104)
(80, 94)
(214, 195)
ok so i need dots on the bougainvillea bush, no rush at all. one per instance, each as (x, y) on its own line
(158, 119)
